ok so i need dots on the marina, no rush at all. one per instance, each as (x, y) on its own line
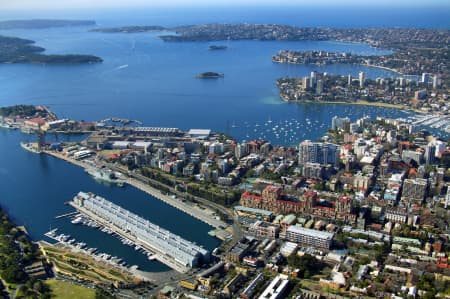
(69, 241)
(65, 215)
(441, 122)
(160, 244)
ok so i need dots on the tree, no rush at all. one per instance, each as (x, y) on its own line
(103, 294)
(307, 264)
(13, 274)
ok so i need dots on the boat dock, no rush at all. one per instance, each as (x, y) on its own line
(157, 254)
(66, 215)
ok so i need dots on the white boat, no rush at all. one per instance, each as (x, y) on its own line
(77, 220)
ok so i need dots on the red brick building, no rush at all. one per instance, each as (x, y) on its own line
(272, 199)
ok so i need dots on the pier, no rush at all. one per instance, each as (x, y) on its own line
(166, 247)
(160, 256)
(66, 215)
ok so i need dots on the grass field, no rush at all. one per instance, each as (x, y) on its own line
(65, 290)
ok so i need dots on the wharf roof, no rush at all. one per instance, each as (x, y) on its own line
(156, 129)
(202, 132)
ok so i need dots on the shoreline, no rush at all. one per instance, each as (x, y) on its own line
(160, 255)
(359, 103)
(361, 64)
(383, 68)
(193, 211)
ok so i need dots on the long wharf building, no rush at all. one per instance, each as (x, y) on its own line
(169, 248)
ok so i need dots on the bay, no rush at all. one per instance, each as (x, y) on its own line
(146, 79)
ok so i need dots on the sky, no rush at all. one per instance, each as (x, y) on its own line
(68, 4)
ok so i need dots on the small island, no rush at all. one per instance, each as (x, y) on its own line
(209, 75)
(217, 47)
(129, 29)
(18, 50)
(43, 23)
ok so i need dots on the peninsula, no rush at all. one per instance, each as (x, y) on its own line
(376, 37)
(18, 50)
(129, 29)
(43, 23)
(415, 51)
(388, 92)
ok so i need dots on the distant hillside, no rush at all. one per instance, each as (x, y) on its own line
(129, 29)
(18, 50)
(43, 23)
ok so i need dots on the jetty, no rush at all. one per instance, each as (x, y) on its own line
(66, 215)
(168, 248)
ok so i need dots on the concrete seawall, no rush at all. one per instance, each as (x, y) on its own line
(189, 209)
(204, 215)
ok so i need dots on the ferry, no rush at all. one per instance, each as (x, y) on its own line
(30, 147)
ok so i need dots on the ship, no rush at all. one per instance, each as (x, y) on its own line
(210, 75)
(30, 147)
(217, 47)
(105, 175)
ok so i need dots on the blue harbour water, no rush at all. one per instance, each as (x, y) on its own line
(146, 79)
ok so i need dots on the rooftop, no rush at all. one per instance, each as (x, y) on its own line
(310, 232)
(202, 132)
(156, 129)
(253, 210)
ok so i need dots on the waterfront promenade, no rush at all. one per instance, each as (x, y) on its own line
(205, 215)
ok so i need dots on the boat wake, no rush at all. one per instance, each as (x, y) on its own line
(121, 67)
